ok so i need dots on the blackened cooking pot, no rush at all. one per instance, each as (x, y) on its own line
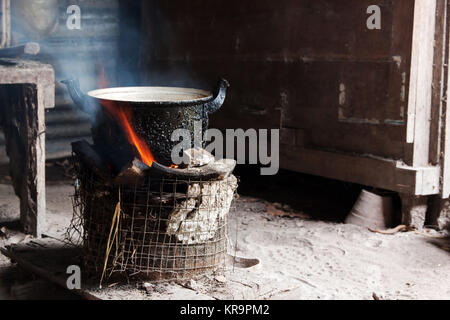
(154, 114)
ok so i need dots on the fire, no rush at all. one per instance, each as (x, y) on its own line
(124, 117)
(141, 146)
(103, 83)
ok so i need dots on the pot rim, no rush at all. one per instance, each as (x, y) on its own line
(152, 95)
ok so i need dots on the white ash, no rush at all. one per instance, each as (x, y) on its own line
(197, 219)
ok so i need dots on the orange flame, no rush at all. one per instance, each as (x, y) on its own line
(102, 82)
(141, 146)
(123, 117)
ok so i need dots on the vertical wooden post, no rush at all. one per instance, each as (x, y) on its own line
(445, 145)
(414, 210)
(421, 82)
(24, 128)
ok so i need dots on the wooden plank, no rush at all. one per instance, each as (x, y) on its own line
(445, 188)
(438, 81)
(49, 258)
(426, 179)
(421, 80)
(370, 171)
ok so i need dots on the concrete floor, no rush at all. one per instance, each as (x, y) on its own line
(300, 258)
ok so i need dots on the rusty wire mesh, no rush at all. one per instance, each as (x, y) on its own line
(158, 229)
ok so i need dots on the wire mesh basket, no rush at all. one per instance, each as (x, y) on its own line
(158, 229)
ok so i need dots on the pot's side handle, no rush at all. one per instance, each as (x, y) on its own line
(78, 97)
(219, 96)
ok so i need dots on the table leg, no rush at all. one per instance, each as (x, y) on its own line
(24, 127)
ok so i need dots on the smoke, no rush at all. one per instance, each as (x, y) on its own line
(74, 53)
(164, 58)
(122, 39)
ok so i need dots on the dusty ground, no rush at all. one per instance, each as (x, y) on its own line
(300, 258)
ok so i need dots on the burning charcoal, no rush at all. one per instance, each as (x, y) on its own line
(217, 170)
(132, 173)
(197, 157)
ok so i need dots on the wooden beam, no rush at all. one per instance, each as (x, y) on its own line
(438, 81)
(421, 81)
(53, 272)
(445, 188)
(369, 171)
(414, 210)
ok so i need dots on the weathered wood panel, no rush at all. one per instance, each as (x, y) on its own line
(421, 82)
(445, 142)
(23, 129)
(365, 170)
(26, 89)
(439, 83)
(309, 64)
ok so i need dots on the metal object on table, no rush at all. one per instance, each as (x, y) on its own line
(30, 48)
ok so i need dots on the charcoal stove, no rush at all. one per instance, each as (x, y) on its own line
(147, 220)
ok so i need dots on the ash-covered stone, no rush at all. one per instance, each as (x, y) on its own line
(197, 219)
(197, 157)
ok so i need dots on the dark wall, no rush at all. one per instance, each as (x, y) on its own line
(128, 69)
(310, 65)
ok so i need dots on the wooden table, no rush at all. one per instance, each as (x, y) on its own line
(27, 88)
